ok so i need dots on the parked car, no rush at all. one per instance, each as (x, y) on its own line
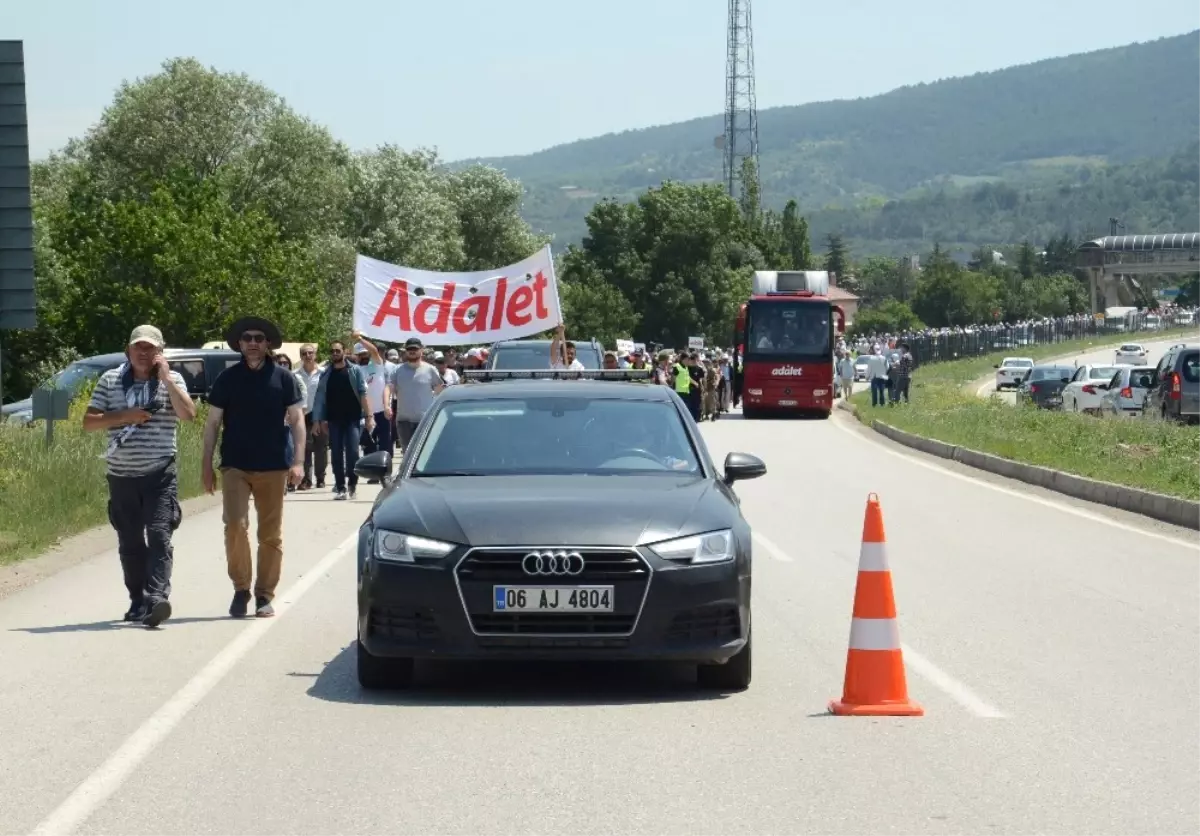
(1086, 388)
(198, 367)
(1125, 395)
(1012, 371)
(1131, 353)
(1043, 386)
(860, 368)
(1175, 386)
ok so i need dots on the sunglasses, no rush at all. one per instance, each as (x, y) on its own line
(254, 338)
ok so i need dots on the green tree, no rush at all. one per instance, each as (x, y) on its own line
(837, 255)
(948, 295)
(1027, 261)
(1189, 291)
(889, 317)
(794, 231)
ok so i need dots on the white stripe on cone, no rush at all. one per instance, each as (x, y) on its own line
(873, 558)
(874, 634)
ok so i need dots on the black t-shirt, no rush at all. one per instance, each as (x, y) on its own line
(255, 402)
(341, 401)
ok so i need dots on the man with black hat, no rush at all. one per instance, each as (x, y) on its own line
(256, 403)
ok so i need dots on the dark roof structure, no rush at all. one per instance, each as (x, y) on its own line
(1144, 243)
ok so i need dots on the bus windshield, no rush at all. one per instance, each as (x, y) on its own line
(789, 330)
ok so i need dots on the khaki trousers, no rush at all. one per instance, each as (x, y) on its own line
(267, 489)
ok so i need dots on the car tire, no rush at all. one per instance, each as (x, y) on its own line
(379, 674)
(734, 675)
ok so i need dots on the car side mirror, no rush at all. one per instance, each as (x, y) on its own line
(377, 465)
(742, 466)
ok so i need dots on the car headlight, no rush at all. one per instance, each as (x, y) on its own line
(713, 547)
(395, 547)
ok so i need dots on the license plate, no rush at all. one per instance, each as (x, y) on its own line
(552, 599)
(787, 403)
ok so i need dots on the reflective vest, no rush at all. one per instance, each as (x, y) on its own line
(683, 379)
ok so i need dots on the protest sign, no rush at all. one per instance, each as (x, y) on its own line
(393, 303)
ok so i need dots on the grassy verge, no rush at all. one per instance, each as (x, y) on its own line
(1151, 455)
(49, 494)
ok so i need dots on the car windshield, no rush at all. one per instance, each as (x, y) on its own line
(535, 356)
(556, 434)
(1131, 349)
(76, 374)
(1018, 364)
(1051, 373)
(1102, 372)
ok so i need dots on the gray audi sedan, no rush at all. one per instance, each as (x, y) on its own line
(555, 519)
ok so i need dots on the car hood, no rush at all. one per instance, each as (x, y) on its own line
(555, 510)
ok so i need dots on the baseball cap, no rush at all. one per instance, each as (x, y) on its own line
(147, 334)
(413, 342)
(359, 348)
(393, 354)
(475, 353)
(437, 355)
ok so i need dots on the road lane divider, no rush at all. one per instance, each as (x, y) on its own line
(102, 784)
(875, 684)
(771, 549)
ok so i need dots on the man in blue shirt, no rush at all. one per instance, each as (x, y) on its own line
(255, 404)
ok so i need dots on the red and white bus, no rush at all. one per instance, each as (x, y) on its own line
(784, 343)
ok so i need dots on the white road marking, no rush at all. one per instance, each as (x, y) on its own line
(771, 549)
(949, 686)
(1029, 497)
(98, 787)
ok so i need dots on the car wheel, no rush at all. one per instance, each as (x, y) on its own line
(734, 675)
(378, 674)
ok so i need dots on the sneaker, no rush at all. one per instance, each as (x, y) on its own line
(136, 611)
(353, 493)
(320, 483)
(157, 614)
(240, 607)
(339, 494)
(263, 608)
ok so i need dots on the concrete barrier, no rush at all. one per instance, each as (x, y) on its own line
(1170, 509)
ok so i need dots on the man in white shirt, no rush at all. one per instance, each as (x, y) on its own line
(379, 394)
(316, 447)
(877, 373)
(562, 351)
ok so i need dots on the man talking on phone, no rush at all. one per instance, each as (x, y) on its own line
(140, 404)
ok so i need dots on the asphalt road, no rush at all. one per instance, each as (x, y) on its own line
(1104, 356)
(1054, 646)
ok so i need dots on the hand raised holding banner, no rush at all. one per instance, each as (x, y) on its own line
(393, 303)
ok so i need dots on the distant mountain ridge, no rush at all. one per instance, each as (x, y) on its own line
(1112, 105)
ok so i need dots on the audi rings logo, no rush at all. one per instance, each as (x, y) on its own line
(552, 563)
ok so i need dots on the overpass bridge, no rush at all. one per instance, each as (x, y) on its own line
(1113, 258)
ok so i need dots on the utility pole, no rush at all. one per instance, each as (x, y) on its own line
(740, 140)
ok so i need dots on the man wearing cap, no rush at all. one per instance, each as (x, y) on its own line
(417, 384)
(445, 369)
(140, 404)
(254, 403)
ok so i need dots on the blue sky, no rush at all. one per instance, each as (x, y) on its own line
(481, 78)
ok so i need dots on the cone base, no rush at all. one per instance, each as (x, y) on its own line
(905, 708)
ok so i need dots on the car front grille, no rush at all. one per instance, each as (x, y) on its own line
(600, 566)
(624, 570)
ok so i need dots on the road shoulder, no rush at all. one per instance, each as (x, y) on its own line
(77, 549)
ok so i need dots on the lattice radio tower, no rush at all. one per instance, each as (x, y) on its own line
(740, 140)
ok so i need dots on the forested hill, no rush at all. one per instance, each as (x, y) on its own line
(1113, 105)
(1155, 195)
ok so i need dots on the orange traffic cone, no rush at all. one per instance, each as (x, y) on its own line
(875, 684)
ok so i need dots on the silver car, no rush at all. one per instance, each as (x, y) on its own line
(1126, 392)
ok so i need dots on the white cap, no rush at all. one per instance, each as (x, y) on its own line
(437, 355)
(359, 348)
(475, 352)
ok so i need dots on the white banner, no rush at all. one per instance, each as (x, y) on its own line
(393, 303)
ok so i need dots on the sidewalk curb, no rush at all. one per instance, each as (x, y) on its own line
(1170, 509)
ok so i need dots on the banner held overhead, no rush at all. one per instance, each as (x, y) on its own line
(393, 303)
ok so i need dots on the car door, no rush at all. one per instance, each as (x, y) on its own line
(1070, 390)
(193, 372)
(1156, 396)
(1110, 401)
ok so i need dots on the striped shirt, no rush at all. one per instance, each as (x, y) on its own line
(153, 444)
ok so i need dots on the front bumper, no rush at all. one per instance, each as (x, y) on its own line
(444, 610)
